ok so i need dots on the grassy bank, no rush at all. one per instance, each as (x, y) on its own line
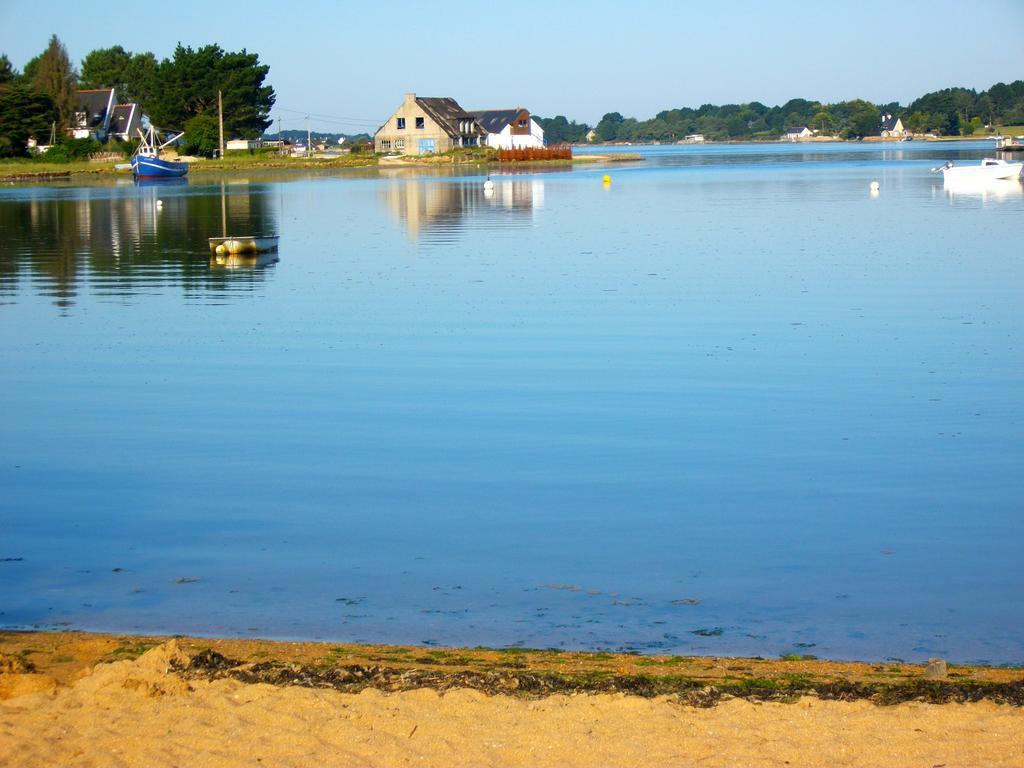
(26, 170)
(701, 681)
(243, 161)
(30, 170)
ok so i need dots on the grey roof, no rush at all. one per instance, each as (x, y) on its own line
(889, 122)
(94, 103)
(798, 129)
(445, 112)
(125, 119)
(495, 120)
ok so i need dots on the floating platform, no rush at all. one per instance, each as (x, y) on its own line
(243, 244)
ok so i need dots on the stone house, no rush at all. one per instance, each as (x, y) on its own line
(424, 125)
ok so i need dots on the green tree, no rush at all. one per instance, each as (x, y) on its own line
(29, 72)
(865, 119)
(558, 130)
(823, 121)
(132, 75)
(916, 122)
(8, 73)
(188, 85)
(105, 68)
(970, 127)
(54, 76)
(141, 79)
(951, 125)
(202, 135)
(608, 128)
(24, 113)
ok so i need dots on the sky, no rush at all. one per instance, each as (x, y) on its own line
(349, 64)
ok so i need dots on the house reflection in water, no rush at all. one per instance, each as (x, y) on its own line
(119, 241)
(436, 211)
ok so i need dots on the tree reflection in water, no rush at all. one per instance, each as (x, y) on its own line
(126, 240)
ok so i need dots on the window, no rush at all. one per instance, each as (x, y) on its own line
(385, 143)
(399, 143)
(522, 123)
(401, 123)
(420, 123)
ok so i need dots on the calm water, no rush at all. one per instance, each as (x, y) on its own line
(732, 393)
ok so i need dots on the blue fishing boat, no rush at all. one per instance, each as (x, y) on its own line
(146, 162)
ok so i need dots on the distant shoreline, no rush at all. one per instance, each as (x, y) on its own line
(26, 172)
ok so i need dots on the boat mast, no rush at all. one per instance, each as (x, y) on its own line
(220, 122)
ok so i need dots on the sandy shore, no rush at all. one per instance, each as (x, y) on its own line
(155, 709)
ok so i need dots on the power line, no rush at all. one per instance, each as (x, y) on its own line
(330, 117)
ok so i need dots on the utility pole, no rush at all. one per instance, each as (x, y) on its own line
(220, 121)
(309, 144)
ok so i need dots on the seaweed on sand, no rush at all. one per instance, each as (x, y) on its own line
(352, 678)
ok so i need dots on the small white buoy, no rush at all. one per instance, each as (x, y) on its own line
(875, 186)
(488, 185)
(159, 203)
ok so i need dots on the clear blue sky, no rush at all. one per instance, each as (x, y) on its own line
(580, 59)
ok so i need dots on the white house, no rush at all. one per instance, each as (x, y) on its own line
(243, 144)
(692, 138)
(509, 128)
(892, 127)
(93, 110)
(795, 134)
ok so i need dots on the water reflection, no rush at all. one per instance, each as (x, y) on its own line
(242, 260)
(124, 240)
(435, 211)
(986, 189)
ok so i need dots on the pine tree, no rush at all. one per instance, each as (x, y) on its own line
(55, 77)
(7, 72)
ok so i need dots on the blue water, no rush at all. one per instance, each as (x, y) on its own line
(555, 416)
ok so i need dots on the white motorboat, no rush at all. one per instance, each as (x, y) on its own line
(990, 169)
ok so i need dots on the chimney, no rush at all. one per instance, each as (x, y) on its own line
(410, 98)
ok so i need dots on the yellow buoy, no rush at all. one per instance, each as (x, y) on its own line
(607, 180)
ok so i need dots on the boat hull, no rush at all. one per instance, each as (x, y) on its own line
(983, 172)
(155, 168)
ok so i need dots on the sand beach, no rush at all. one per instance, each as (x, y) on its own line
(102, 700)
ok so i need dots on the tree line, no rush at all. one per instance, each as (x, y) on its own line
(179, 93)
(949, 112)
